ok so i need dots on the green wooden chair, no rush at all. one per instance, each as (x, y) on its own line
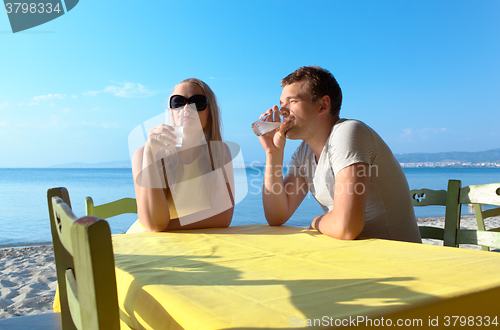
(427, 197)
(85, 273)
(111, 209)
(85, 267)
(453, 198)
(488, 194)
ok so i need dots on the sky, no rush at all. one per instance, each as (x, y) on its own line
(424, 74)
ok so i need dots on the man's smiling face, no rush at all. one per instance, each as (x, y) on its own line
(297, 108)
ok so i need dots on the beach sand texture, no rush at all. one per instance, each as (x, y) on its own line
(28, 275)
(27, 281)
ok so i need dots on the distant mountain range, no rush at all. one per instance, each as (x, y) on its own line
(488, 156)
(472, 158)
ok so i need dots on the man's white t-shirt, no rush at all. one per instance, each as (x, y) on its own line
(389, 210)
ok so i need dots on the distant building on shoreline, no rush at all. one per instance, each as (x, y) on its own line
(451, 164)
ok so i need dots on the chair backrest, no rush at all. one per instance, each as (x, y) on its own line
(111, 209)
(427, 197)
(475, 194)
(84, 265)
(453, 199)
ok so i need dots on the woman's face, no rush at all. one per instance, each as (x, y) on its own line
(187, 90)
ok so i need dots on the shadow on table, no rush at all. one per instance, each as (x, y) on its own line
(261, 230)
(337, 298)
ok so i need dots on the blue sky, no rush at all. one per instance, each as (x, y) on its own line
(424, 74)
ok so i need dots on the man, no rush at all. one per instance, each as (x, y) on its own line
(346, 166)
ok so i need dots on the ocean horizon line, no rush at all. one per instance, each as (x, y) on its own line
(262, 165)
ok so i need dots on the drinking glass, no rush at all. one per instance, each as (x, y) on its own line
(175, 118)
(261, 126)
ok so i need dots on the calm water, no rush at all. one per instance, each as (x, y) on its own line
(23, 196)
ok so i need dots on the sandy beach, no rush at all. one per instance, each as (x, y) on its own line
(28, 275)
(27, 281)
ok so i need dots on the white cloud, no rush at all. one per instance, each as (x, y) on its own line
(407, 132)
(49, 97)
(66, 110)
(4, 123)
(4, 105)
(91, 93)
(421, 134)
(130, 90)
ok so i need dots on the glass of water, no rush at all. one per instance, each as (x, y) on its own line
(175, 118)
(262, 126)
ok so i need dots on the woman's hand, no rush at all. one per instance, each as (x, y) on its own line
(274, 140)
(160, 138)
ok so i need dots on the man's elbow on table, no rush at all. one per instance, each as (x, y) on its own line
(343, 233)
(344, 229)
(346, 235)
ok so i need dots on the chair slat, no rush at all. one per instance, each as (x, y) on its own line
(431, 232)
(74, 305)
(427, 197)
(452, 215)
(491, 213)
(481, 194)
(479, 237)
(111, 209)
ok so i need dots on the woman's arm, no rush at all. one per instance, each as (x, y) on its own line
(150, 186)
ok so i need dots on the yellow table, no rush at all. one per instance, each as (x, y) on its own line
(262, 277)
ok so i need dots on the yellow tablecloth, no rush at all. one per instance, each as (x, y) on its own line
(266, 277)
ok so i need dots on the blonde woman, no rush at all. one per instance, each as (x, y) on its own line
(191, 186)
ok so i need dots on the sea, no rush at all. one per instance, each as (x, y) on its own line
(23, 196)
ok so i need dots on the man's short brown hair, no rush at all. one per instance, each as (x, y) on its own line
(320, 82)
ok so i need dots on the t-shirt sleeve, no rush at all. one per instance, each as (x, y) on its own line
(297, 162)
(352, 142)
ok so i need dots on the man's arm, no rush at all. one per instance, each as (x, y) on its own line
(281, 197)
(347, 217)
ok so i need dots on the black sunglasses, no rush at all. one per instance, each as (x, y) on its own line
(178, 101)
